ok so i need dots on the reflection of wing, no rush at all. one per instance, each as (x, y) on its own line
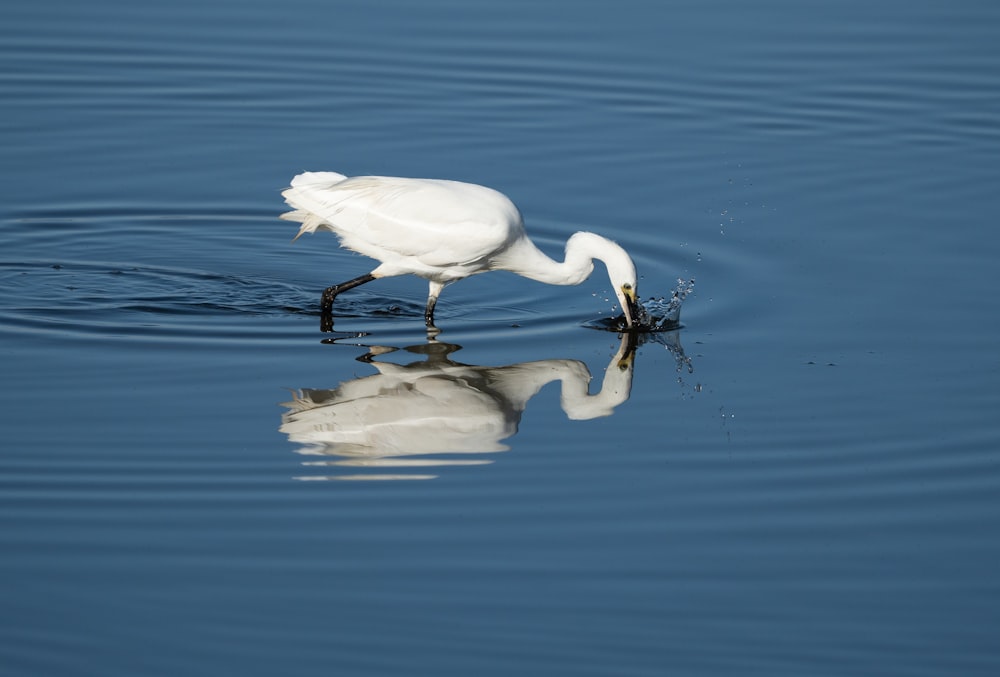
(384, 415)
(441, 407)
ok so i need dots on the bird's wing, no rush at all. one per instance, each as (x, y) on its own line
(434, 222)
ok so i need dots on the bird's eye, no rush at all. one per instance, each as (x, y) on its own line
(626, 286)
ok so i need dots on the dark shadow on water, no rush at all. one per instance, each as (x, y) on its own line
(656, 314)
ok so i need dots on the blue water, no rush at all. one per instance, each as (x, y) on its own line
(802, 480)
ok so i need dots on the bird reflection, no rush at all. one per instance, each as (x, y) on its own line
(408, 416)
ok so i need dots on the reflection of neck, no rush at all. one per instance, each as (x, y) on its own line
(615, 389)
(520, 382)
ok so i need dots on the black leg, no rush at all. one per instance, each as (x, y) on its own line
(326, 303)
(434, 290)
(429, 311)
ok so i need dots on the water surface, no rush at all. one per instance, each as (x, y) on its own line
(800, 480)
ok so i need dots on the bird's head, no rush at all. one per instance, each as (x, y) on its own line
(630, 302)
(621, 270)
(583, 247)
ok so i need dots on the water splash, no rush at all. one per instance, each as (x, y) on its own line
(665, 314)
(655, 314)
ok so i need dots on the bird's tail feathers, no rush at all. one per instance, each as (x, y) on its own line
(310, 222)
(317, 178)
(299, 192)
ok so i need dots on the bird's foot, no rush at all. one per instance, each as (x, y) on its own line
(326, 301)
(429, 312)
(326, 310)
(432, 329)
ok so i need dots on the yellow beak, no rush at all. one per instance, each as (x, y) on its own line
(631, 308)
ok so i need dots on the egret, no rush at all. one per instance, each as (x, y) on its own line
(443, 231)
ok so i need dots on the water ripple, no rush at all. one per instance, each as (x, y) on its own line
(788, 87)
(112, 269)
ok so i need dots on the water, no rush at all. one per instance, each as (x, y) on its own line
(800, 479)
(655, 314)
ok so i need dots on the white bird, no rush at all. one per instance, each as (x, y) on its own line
(443, 231)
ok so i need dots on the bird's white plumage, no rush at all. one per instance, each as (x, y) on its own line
(442, 231)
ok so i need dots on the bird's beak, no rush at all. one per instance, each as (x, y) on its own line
(626, 351)
(631, 305)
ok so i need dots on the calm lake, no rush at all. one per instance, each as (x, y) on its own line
(804, 479)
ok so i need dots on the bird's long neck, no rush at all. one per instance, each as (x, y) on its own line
(527, 260)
